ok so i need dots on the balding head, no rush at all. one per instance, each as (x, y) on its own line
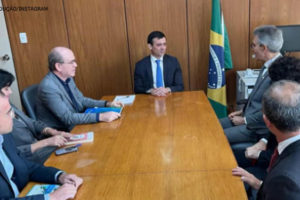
(281, 105)
(56, 55)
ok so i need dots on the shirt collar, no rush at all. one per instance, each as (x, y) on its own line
(153, 59)
(63, 82)
(1, 140)
(269, 62)
(282, 145)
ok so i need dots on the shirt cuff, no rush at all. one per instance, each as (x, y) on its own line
(47, 197)
(56, 177)
(245, 120)
(264, 140)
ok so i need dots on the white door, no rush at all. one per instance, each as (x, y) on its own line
(6, 61)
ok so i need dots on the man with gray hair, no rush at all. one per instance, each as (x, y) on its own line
(281, 108)
(60, 104)
(247, 125)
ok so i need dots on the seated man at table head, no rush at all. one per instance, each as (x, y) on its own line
(60, 104)
(34, 139)
(246, 125)
(159, 73)
(16, 171)
(281, 108)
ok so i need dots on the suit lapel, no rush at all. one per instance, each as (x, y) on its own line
(149, 72)
(255, 89)
(286, 152)
(166, 66)
(61, 87)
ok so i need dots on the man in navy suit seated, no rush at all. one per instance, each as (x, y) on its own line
(16, 172)
(159, 73)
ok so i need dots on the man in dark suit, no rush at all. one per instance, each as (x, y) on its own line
(60, 104)
(16, 172)
(247, 125)
(34, 139)
(159, 73)
(281, 108)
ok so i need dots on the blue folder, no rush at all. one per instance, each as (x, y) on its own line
(103, 109)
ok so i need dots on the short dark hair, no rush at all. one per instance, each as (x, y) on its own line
(285, 68)
(281, 105)
(53, 58)
(6, 79)
(155, 34)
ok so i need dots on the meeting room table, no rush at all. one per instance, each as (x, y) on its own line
(169, 147)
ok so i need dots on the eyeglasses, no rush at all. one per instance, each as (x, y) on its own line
(253, 45)
(11, 113)
(70, 63)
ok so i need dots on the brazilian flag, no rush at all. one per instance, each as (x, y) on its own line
(219, 60)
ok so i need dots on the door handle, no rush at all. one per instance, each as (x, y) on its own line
(5, 57)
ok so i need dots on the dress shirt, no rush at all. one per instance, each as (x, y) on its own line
(268, 63)
(154, 66)
(8, 167)
(285, 143)
(66, 86)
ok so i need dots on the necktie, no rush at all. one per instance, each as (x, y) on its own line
(260, 76)
(159, 80)
(273, 159)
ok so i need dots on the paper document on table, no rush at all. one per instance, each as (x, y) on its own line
(81, 138)
(125, 99)
(42, 189)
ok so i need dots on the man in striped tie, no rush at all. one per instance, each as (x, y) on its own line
(159, 73)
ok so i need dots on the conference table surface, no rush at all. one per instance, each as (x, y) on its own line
(161, 148)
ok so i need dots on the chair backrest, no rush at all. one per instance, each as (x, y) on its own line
(29, 100)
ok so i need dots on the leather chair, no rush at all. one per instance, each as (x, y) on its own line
(29, 100)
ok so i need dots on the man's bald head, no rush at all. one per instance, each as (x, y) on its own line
(281, 105)
(56, 55)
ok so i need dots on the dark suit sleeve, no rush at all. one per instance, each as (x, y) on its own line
(140, 79)
(177, 84)
(282, 187)
(33, 197)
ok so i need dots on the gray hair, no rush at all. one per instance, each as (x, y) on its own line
(53, 58)
(269, 36)
(281, 105)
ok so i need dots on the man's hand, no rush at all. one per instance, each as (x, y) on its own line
(109, 116)
(254, 151)
(56, 140)
(52, 131)
(64, 192)
(236, 113)
(115, 104)
(161, 92)
(238, 120)
(70, 179)
(247, 177)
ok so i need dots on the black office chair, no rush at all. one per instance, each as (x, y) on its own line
(29, 100)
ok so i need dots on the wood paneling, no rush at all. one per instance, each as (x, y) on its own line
(280, 12)
(237, 22)
(97, 35)
(168, 16)
(236, 16)
(44, 29)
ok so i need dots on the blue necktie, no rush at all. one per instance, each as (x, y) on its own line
(159, 78)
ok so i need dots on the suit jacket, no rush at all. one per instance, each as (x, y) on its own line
(253, 109)
(283, 180)
(24, 171)
(143, 78)
(55, 108)
(27, 133)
